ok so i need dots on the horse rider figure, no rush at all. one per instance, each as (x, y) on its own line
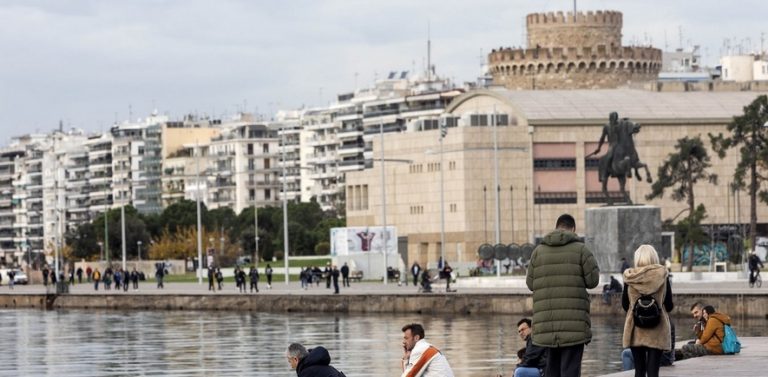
(621, 156)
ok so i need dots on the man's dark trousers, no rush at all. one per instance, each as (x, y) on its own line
(564, 361)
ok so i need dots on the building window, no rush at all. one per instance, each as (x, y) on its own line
(250, 149)
(252, 195)
(266, 163)
(265, 148)
(267, 194)
(365, 196)
(554, 164)
(598, 197)
(478, 120)
(453, 207)
(592, 164)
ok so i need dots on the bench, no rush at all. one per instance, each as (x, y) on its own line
(356, 275)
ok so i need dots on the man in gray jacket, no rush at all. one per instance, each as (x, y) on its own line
(560, 272)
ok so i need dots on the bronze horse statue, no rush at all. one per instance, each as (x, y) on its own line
(621, 158)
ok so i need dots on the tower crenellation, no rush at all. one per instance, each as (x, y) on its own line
(570, 51)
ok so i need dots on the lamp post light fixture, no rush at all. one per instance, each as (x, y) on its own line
(101, 248)
(138, 244)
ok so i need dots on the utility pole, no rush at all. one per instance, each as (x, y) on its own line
(199, 220)
(383, 201)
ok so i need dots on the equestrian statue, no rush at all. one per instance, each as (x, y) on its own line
(621, 158)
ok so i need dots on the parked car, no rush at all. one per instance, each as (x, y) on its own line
(19, 278)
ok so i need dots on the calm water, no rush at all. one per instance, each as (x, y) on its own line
(176, 343)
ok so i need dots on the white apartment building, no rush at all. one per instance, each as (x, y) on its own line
(243, 167)
(103, 175)
(744, 68)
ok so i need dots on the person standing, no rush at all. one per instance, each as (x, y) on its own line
(533, 358)
(160, 274)
(755, 264)
(219, 278)
(647, 278)
(88, 273)
(254, 275)
(335, 277)
(345, 275)
(211, 277)
(11, 277)
(241, 278)
(415, 270)
(421, 358)
(46, 272)
(327, 275)
(96, 276)
(135, 279)
(71, 276)
(79, 273)
(268, 272)
(560, 271)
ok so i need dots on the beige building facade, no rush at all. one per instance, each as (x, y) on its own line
(543, 140)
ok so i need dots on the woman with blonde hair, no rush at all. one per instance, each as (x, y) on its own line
(647, 326)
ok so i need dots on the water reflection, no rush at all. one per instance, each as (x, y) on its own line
(183, 343)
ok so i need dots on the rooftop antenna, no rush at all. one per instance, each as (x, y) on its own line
(680, 34)
(61, 125)
(429, 53)
(574, 10)
(666, 44)
(130, 113)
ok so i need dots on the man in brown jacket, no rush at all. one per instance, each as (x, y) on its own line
(711, 340)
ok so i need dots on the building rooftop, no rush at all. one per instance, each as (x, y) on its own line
(577, 106)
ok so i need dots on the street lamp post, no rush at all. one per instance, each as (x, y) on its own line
(138, 243)
(199, 221)
(122, 220)
(383, 201)
(497, 213)
(285, 209)
(443, 132)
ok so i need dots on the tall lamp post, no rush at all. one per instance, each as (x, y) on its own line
(383, 201)
(285, 208)
(443, 132)
(138, 244)
(199, 220)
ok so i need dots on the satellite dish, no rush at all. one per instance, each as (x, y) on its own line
(500, 251)
(527, 250)
(514, 251)
(485, 251)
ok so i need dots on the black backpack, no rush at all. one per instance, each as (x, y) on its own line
(646, 312)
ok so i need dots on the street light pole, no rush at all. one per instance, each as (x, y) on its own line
(285, 209)
(122, 220)
(256, 228)
(199, 220)
(138, 243)
(497, 213)
(443, 131)
(105, 250)
(383, 200)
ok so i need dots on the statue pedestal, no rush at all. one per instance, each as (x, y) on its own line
(616, 232)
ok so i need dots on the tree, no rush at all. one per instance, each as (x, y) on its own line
(749, 132)
(84, 242)
(689, 232)
(680, 173)
(183, 214)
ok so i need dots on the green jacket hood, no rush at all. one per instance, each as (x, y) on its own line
(559, 237)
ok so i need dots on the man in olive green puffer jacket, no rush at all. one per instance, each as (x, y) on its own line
(560, 272)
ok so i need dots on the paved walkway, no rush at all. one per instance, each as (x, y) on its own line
(750, 362)
(361, 288)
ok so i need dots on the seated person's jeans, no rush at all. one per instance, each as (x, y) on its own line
(627, 362)
(527, 372)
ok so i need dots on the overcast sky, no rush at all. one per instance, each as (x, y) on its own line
(85, 62)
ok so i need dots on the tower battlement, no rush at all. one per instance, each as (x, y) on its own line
(569, 51)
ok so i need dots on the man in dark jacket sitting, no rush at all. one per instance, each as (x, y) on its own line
(313, 363)
(533, 358)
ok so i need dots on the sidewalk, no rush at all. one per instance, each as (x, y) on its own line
(369, 288)
(750, 362)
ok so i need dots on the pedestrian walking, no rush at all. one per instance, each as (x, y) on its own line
(345, 275)
(118, 278)
(303, 277)
(241, 279)
(79, 273)
(254, 275)
(268, 272)
(88, 273)
(446, 272)
(647, 284)
(108, 274)
(126, 280)
(71, 276)
(335, 276)
(560, 271)
(219, 278)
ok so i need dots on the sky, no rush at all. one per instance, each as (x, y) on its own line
(90, 63)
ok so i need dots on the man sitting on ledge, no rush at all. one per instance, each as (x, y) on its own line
(710, 341)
